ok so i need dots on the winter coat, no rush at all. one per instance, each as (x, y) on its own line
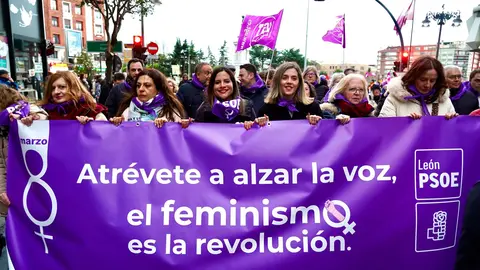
(396, 106)
(191, 97)
(276, 112)
(205, 114)
(330, 110)
(465, 104)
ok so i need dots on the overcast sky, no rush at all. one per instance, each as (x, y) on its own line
(368, 27)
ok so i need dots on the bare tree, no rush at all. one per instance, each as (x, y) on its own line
(113, 13)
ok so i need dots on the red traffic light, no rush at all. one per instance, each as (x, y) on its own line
(405, 54)
(137, 40)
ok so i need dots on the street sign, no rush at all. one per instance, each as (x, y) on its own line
(101, 47)
(152, 48)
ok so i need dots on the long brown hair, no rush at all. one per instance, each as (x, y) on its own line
(210, 93)
(75, 89)
(170, 109)
(422, 65)
(9, 96)
(275, 92)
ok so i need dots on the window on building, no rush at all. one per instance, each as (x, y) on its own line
(67, 24)
(53, 5)
(67, 8)
(55, 21)
(78, 10)
(56, 39)
(98, 15)
(79, 26)
(98, 29)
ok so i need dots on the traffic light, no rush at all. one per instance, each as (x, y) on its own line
(405, 60)
(138, 51)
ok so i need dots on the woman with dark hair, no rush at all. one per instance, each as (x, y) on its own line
(223, 103)
(420, 92)
(310, 92)
(66, 98)
(286, 100)
(152, 101)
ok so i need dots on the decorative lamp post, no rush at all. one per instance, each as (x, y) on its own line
(441, 18)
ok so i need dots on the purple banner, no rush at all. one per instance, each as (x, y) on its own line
(261, 30)
(374, 194)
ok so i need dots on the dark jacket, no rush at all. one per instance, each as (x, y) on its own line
(104, 92)
(321, 91)
(191, 98)
(256, 97)
(276, 112)
(115, 98)
(466, 104)
(204, 113)
(468, 250)
(8, 83)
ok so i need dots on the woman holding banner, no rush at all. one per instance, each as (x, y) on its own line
(420, 92)
(223, 103)
(152, 101)
(66, 98)
(287, 100)
(349, 99)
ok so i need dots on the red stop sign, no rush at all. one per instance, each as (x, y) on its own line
(152, 48)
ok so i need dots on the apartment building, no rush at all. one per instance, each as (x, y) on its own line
(387, 57)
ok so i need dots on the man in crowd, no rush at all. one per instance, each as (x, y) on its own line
(118, 78)
(191, 93)
(7, 80)
(252, 86)
(475, 82)
(116, 95)
(463, 100)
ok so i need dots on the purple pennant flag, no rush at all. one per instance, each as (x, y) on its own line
(337, 34)
(261, 30)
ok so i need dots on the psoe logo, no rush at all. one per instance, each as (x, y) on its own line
(34, 141)
(264, 29)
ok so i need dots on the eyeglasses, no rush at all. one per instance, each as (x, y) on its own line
(311, 74)
(455, 77)
(354, 90)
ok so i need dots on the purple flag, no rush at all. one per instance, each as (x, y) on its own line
(261, 30)
(285, 196)
(337, 34)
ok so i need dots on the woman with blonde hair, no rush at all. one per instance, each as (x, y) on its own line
(349, 99)
(66, 98)
(172, 85)
(336, 77)
(286, 100)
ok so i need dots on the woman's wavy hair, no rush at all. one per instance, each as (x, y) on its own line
(210, 93)
(275, 92)
(9, 96)
(422, 65)
(75, 89)
(170, 109)
(310, 69)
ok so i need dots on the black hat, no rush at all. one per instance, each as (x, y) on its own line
(3, 72)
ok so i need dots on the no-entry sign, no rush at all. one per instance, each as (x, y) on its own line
(152, 48)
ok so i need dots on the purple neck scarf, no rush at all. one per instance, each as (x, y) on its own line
(461, 91)
(342, 97)
(421, 97)
(226, 110)
(197, 83)
(21, 108)
(257, 85)
(61, 107)
(315, 83)
(157, 101)
(289, 103)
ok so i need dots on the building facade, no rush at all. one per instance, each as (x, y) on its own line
(454, 53)
(387, 57)
(332, 68)
(69, 26)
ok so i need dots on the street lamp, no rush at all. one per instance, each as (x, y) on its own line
(441, 18)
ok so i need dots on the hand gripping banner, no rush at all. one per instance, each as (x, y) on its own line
(374, 194)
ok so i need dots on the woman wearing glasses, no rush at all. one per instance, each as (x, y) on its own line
(348, 99)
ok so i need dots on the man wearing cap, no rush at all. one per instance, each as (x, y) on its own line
(7, 80)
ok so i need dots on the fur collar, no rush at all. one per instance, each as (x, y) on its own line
(397, 90)
(329, 107)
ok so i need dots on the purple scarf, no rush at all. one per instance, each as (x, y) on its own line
(197, 83)
(421, 97)
(257, 85)
(315, 83)
(289, 103)
(461, 91)
(226, 110)
(61, 107)
(158, 101)
(21, 108)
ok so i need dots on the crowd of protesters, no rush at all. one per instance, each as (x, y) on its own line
(217, 95)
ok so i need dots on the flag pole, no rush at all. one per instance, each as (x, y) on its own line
(343, 42)
(411, 33)
(306, 37)
(270, 66)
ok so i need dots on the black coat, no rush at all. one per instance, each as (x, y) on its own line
(115, 99)
(256, 97)
(276, 112)
(191, 98)
(468, 251)
(204, 113)
(321, 90)
(466, 104)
